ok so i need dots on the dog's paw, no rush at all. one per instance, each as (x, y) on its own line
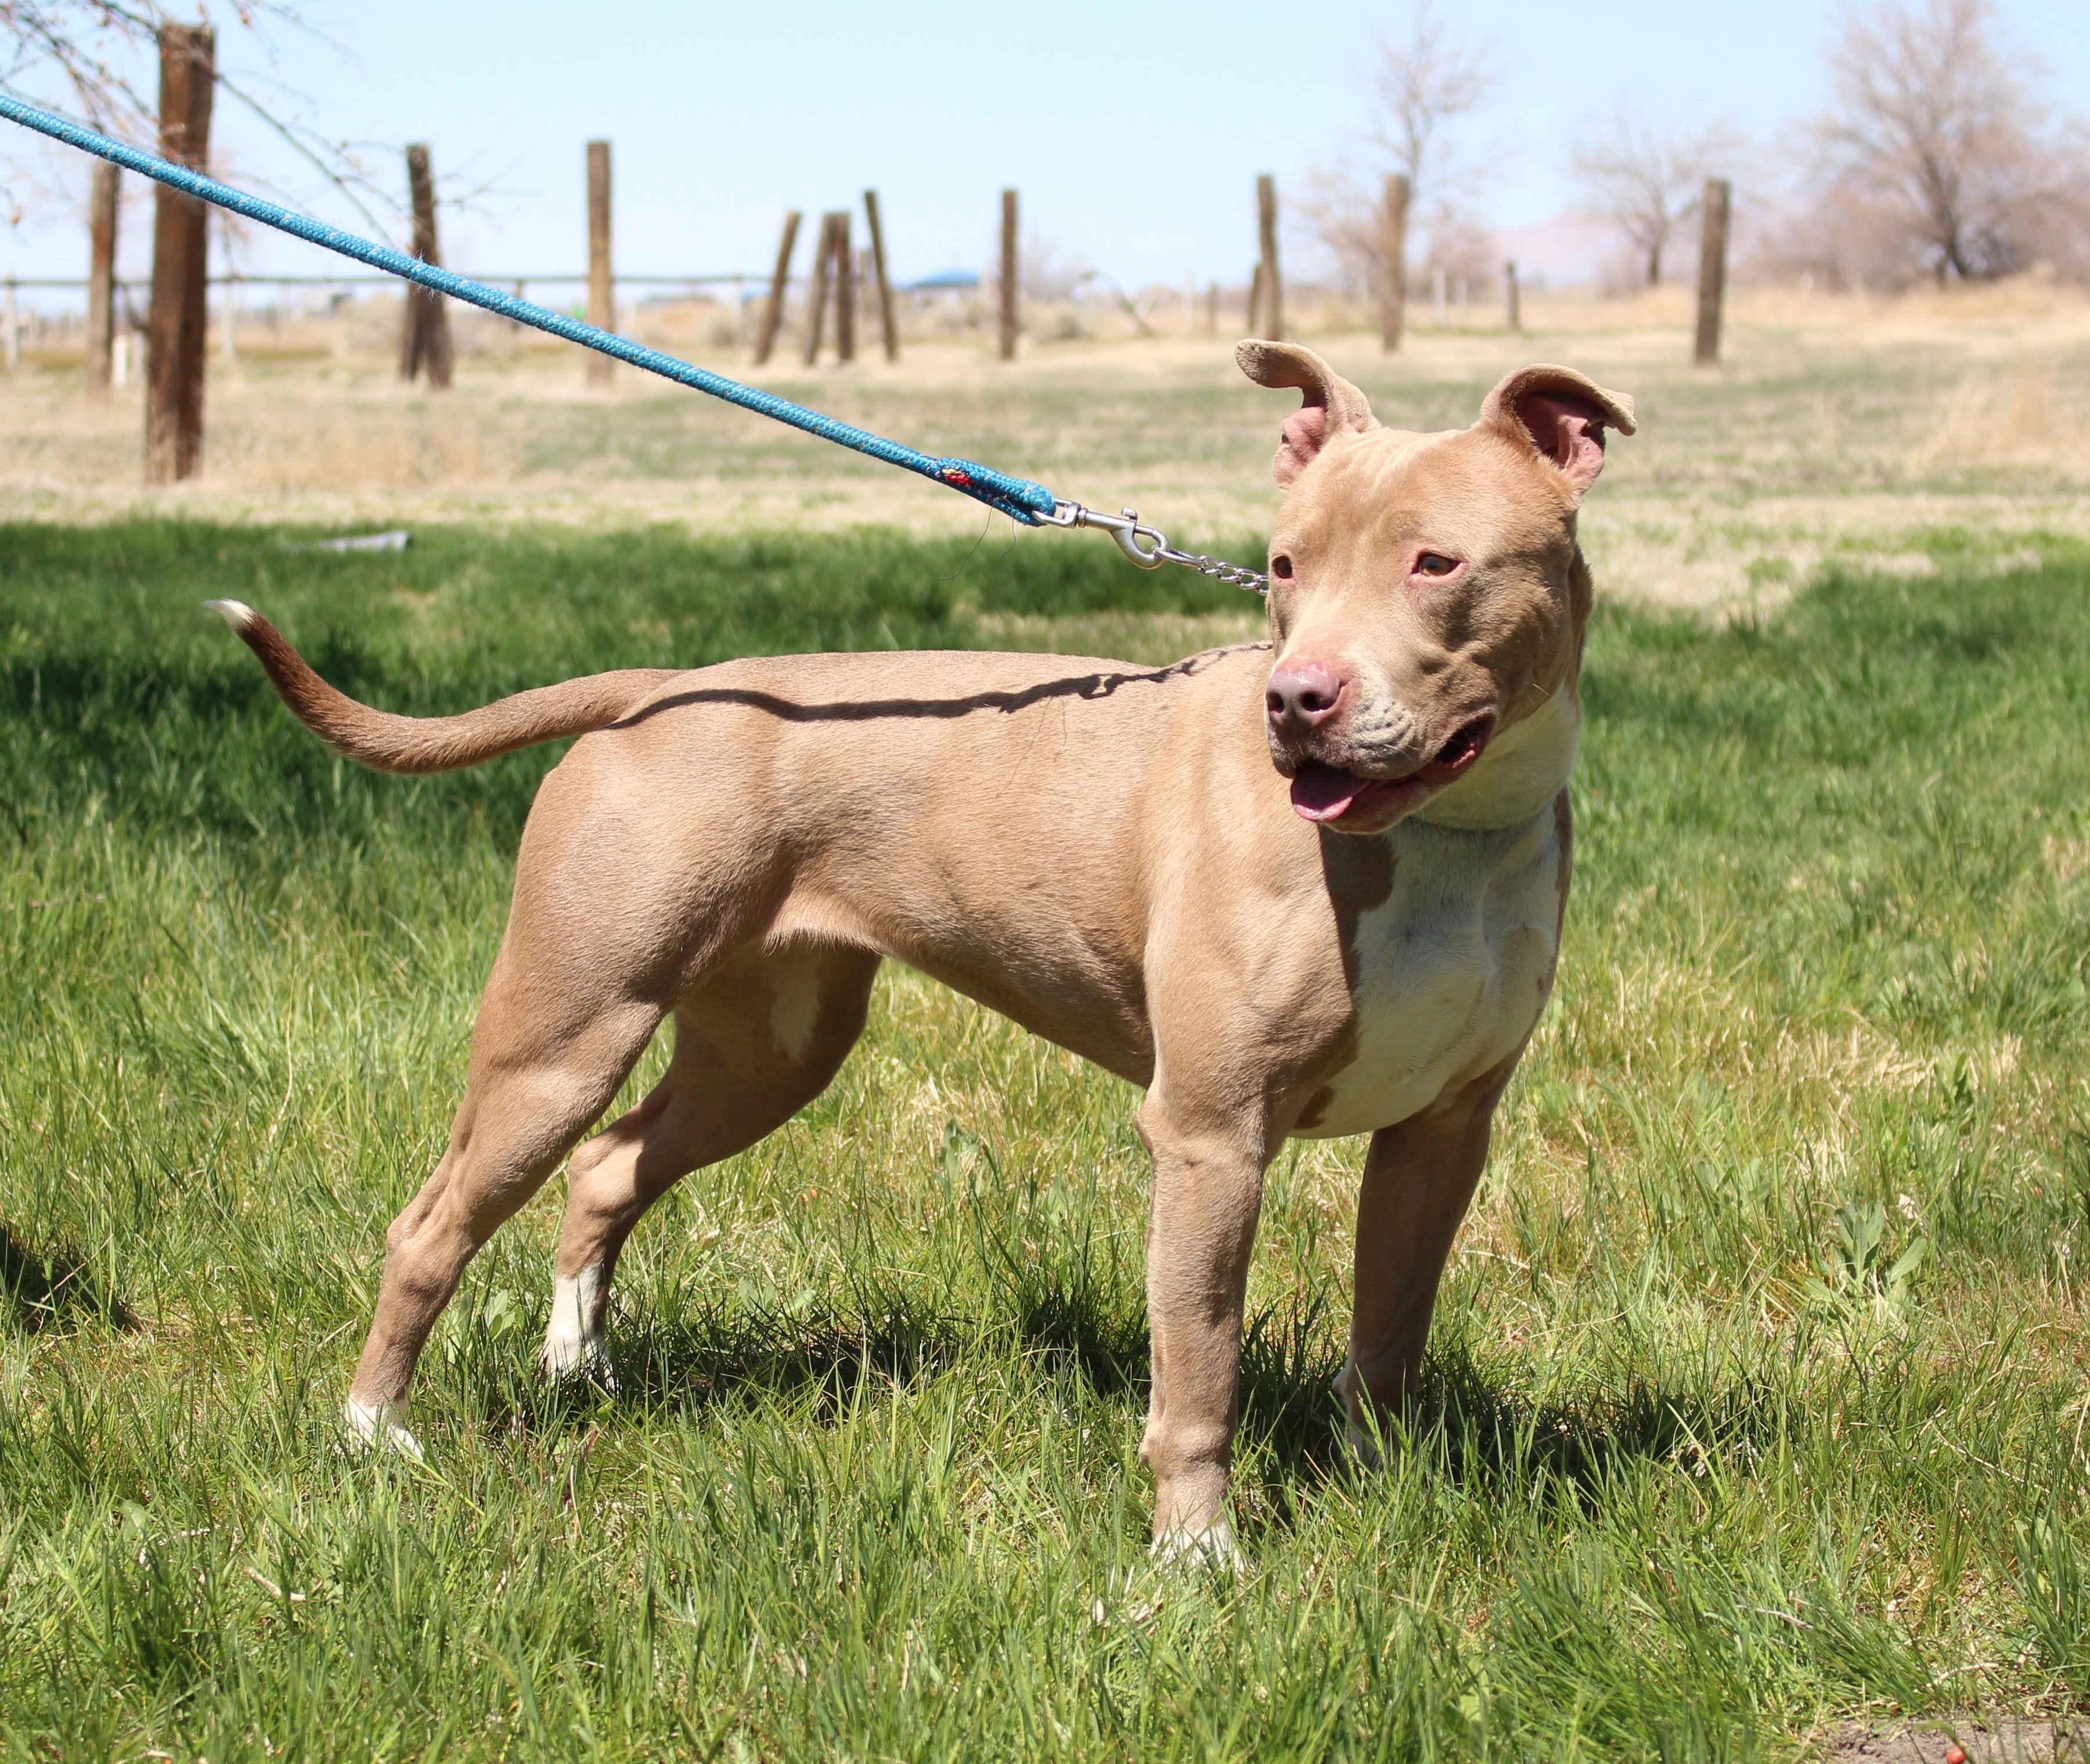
(377, 1428)
(573, 1348)
(563, 1358)
(1212, 1548)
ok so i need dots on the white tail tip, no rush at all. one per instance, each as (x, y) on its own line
(236, 614)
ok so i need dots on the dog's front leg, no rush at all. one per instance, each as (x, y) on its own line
(1207, 1194)
(1419, 1179)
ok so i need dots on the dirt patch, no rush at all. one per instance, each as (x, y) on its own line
(2000, 1741)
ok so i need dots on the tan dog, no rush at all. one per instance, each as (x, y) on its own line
(1358, 941)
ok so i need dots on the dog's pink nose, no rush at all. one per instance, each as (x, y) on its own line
(1303, 695)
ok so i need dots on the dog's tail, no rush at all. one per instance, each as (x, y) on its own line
(390, 743)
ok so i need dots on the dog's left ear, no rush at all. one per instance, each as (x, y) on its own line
(1562, 414)
(1330, 403)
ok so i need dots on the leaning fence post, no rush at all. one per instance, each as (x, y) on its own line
(1273, 285)
(177, 327)
(888, 321)
(1010, 276)
(100, 275)
(773, 314)
(1712, 269)
(816, 312)
(1393, 264)
(424, 331)
(845, 288)
(602, 289)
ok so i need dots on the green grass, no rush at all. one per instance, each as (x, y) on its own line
(1711, 1452)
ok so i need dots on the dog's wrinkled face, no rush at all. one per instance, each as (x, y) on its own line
(1426, 594)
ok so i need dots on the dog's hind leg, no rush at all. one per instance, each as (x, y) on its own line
(763, 1036)
(559, 1029)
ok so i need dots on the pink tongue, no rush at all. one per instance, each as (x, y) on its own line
(1321, 794)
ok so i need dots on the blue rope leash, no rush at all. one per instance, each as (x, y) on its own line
(1016, 497)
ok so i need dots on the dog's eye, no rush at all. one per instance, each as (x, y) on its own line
(1280, 566)
(1435, 563)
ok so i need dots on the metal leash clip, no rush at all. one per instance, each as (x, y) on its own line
(1128, 530)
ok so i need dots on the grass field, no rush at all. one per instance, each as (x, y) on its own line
(1757, 1400)
(1836, 431)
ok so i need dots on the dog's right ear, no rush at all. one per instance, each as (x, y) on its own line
(1331, 402)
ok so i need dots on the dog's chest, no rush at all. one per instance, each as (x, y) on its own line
(1449, 972)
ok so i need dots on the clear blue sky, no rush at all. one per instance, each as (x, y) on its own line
(1134, 131)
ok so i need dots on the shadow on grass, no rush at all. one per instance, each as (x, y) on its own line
(1482, 1431)
(56, 1291)
(1470, 1425)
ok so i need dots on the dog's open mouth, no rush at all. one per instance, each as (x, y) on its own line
(1326, 793)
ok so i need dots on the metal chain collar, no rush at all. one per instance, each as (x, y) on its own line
(1127, 529)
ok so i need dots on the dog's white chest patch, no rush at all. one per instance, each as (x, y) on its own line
(1451, 970)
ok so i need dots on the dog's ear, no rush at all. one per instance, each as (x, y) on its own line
(1330, 401)
(1561, 414)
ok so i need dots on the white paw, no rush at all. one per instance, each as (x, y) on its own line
(377, 1427)
(1213, 1547)
(572, 1348)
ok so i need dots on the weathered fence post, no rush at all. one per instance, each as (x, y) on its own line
(1393, 264)
(888, 320)
(845, 288)
(424, 331)
(816, 305)
(1512, 303)
(100, 275)
(1712, 269)
(10, 319)
(1011, 277)
(602, 288)
(1273, 284)
(178, 325)
(773, 314)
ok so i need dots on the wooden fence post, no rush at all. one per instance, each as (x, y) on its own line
(888, 320)
(1712, 269)
(602, 288)
(1011, 276)
(424, 331)
(773, 314)
(844, 289)
(1512, 301)
(100, 275)
(1273, 284)
(817, 304)
(10, 323)
(177, 327)
(1393, 264)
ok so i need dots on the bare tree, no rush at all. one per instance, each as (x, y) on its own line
(1937, 132)
(1645, 180)
(95, 57)
(1427, 85)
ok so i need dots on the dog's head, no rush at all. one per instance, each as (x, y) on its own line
(1428, 597)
